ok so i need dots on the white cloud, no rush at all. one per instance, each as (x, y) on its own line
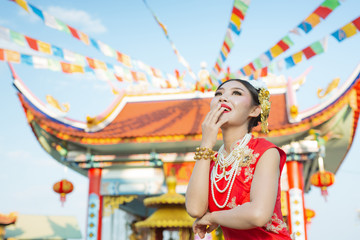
(78, 18)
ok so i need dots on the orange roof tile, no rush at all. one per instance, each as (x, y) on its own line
(155, 118)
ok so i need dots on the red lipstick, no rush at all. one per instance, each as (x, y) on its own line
(227, 108)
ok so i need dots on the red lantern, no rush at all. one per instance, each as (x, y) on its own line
(63, 187)
(323, 179)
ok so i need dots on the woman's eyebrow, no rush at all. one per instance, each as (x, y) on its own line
(238, 88)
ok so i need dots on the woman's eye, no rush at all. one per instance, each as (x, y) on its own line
(237, 93)
(218, 94)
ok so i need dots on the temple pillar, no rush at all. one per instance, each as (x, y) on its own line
(94, 205)
(297, 222)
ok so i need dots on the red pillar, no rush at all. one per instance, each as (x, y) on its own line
(94, 205)
(296, 205)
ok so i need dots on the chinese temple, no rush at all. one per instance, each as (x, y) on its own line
(129, 150)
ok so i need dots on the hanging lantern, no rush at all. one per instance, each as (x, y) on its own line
(309, 214)
(323, 179)
(63, 187)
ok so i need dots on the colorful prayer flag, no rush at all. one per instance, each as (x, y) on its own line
(58, 52)
(297, 57)
(308, 52)
(12, 56)
(40, 62)
(76, 68)
(317, 47)
(27, 59)
(44, 47)
(62, 26)
(54, 65)
(1, 54)
(84, 38)
(339, 35)
(322, 12)
(276, 51)
(289, 62)
(32, 43)
(74, 32)
(37, 12)
(305, 26)
(356, 22)
(349, 29)
(66, 68)
(23, 4)
(264, 72)
(331, 4)
(313, 19)
(17, 38)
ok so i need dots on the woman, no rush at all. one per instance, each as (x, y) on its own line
(240, 189)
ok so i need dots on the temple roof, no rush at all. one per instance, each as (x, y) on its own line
(169, 198)
(171, 211)
(171, 123)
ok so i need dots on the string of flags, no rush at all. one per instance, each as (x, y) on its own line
(314, 49)
(285, 43)
(108, 51)
(40, 62)
(180, 58)
(87, 64)
(238, 13)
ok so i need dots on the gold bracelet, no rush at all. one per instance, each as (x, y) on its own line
(204, 153)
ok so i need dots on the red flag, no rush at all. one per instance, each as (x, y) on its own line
(227, 47)
(323, 12)
(134, 76)
(252, 66)
(356, 22)
(283, 45)
(91, 62)
(120, 79)
(119, 57)
(309, 53)
(238, 13)
(264, 72)
(32, 43)
(74, 32)
(66, 67)
(1, 54)
(217, 67)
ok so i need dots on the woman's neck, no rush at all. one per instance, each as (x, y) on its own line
(231, 135)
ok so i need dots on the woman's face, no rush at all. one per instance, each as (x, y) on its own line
(236, 102)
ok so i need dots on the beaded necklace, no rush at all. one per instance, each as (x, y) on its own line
(234, 159)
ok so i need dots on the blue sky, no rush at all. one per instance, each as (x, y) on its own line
(197, 28)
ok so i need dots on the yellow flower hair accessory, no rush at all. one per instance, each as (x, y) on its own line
(264, 99)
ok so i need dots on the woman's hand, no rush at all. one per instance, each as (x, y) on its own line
(211, 124)
(204, 225)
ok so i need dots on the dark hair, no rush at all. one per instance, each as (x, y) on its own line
(254, 121)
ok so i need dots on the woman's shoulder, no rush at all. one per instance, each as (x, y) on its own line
(262, 142)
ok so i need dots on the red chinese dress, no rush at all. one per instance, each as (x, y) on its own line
(240, 193)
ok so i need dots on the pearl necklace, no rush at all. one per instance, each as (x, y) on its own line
(233, 159)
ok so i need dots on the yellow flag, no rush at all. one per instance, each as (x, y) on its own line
(12, 56)
(276, 51)
(313, 19)
(44, 47)
(349, 29)
(297, 57)
(23, 4)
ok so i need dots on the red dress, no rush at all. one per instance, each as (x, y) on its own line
(275, 228)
